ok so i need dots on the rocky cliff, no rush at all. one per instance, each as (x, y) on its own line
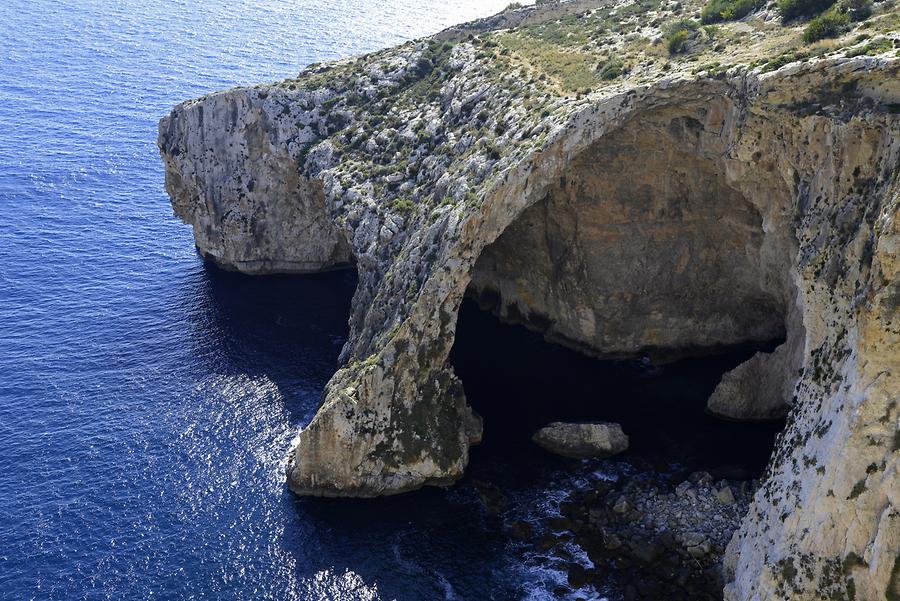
(574, 176)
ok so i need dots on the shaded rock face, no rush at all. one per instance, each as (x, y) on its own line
(759, 389)
(642, 246)
(581, 441)
(686, 214)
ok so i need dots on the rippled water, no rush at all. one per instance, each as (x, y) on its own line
(147, 403)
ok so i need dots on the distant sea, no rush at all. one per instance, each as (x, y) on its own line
(148, 402)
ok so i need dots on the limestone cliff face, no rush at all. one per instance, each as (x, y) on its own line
(668, 212)
(230, 176)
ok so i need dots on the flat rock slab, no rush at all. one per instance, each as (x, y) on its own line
(582, 440)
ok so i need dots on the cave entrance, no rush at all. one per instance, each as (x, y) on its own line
(644, 255)
(519, 382)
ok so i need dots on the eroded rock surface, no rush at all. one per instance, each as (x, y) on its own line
(582, 440)
(666, 210)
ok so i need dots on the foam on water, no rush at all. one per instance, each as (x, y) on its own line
(147, 404)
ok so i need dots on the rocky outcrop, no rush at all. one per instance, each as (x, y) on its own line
(239, 187)
(660, 537)
(581, 441)
(668, 211)
(758, 389)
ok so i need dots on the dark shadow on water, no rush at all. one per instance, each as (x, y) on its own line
(518, 383)
(288, 328)
(414, 545)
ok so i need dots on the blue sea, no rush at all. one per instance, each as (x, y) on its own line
(148, 402)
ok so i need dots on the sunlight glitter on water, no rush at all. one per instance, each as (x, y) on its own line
(147, 404)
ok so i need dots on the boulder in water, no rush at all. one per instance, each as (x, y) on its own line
(581, 441)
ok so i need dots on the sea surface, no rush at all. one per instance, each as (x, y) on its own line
(148, 402)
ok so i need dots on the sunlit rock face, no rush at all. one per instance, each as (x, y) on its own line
(666, 216)
(234, 178)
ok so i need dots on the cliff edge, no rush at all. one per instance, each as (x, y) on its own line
(624, 181)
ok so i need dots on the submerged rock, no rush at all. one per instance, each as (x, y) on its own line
(581, 441)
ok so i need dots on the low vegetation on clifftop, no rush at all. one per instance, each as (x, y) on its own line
(742, 157)
(472, 97)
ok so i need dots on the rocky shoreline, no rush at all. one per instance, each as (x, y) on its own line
(648, 532)
(620, 196)
(656, 539)
(655, 534)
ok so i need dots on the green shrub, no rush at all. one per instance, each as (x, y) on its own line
(611, 70)
(728, 10)
(677, 41)
(712, 31)
(829, 24)
(403, 206)
(857, 10)
(674, 27)
(791, 9)
(677, 34)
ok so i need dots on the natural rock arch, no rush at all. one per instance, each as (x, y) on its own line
(644, 247)
(815, 175)
(765, 161)
(734, 223)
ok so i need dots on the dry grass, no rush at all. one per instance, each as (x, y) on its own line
(571, 70)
